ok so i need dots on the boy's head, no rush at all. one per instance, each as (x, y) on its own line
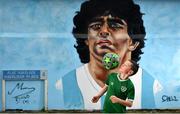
(129, 67)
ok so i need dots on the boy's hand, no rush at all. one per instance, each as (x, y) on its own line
(114, 99)
(95, 99)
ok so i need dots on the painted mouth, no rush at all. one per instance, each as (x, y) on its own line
(104, 42)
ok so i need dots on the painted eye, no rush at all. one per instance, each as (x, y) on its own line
(95, 26)
(115, 25)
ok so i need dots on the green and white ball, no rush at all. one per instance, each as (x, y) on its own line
(110, 60)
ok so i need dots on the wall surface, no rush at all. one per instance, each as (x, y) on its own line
(36, 35)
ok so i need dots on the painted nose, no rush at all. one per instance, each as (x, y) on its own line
(104, 33)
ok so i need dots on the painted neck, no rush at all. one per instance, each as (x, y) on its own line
(127, 56)
(98, 72)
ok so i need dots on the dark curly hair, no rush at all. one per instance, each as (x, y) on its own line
(124, 9)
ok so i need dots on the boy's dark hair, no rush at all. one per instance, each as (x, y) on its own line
(124, 9)
(134, 67)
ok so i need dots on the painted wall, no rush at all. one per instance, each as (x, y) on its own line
(36, 35)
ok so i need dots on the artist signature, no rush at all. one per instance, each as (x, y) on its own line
(23, 95)
(166, 98)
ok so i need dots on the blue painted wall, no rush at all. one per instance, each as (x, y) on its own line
(36, 34)
(161, 56)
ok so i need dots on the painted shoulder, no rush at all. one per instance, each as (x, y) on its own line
(148, 101)
(71, 93)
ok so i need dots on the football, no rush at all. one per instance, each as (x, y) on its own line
(110, 60)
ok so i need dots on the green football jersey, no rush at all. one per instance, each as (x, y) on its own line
(123, 89)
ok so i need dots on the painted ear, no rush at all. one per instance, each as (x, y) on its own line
(86, 41)
(132, 46)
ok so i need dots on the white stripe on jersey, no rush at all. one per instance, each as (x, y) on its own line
(137, 81)
(88, 87)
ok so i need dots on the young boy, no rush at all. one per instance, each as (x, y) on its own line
(120, 89)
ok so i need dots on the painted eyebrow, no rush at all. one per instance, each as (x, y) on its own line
(115, 20)
(96, 20)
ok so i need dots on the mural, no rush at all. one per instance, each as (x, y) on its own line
(38, 35)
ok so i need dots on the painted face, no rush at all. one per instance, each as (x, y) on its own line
(107, 34)
(125, 67)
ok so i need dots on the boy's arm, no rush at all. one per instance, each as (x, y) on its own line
(103, 90)
(115, 99)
